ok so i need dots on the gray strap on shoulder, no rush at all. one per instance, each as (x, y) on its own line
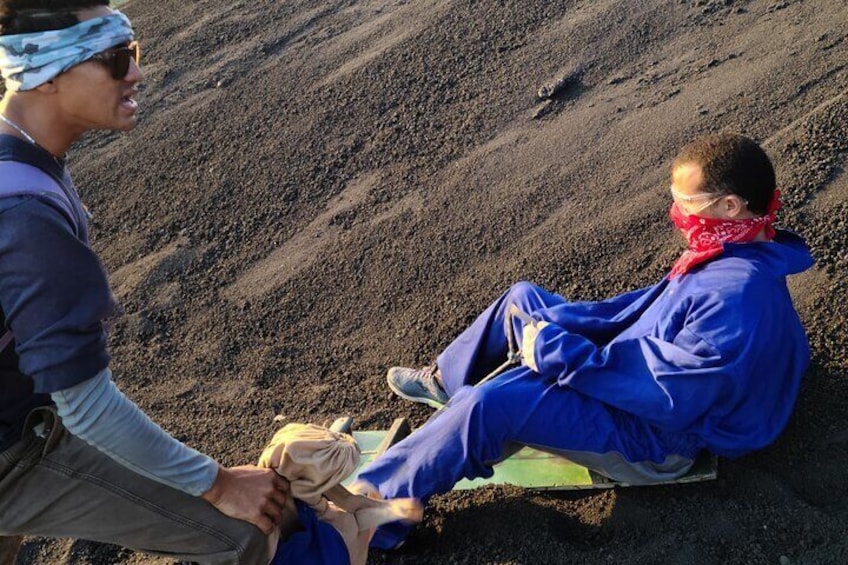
(21, 179)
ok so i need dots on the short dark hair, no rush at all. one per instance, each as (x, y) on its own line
(732, 164)
(29, 16)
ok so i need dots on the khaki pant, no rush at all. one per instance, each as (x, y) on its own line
(56, 485)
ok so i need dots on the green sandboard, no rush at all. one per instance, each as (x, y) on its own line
(534, 469)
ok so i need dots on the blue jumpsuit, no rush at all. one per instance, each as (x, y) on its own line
(632, 387)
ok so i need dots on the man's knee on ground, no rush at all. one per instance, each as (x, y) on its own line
(256, 547)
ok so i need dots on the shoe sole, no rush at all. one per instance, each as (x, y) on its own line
(419, 399)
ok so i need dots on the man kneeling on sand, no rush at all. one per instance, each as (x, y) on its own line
(634, 387)
(78, 458)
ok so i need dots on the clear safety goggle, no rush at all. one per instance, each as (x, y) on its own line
(690, 201)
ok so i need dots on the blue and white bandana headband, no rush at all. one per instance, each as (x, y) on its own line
(28, 60)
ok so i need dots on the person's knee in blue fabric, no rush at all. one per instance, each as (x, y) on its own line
(521, 292)
(527, 296)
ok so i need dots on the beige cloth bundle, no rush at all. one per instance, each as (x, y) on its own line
(312, 458)
(315, 461)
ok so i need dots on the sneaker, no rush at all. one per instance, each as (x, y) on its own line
(418, 385)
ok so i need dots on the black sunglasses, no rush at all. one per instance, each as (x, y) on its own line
(117, 59)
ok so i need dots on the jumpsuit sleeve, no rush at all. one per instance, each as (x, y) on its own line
(600, 321)
(669, 383)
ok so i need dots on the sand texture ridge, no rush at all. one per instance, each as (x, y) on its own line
(318, 190)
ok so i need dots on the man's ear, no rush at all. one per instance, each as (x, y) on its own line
(734, 206)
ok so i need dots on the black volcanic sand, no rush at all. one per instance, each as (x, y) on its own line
(320, 189)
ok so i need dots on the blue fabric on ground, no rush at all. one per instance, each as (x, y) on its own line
(318, 544)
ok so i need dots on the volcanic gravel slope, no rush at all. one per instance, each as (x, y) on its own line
(320, 189)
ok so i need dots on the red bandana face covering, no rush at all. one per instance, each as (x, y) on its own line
(707, 236)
